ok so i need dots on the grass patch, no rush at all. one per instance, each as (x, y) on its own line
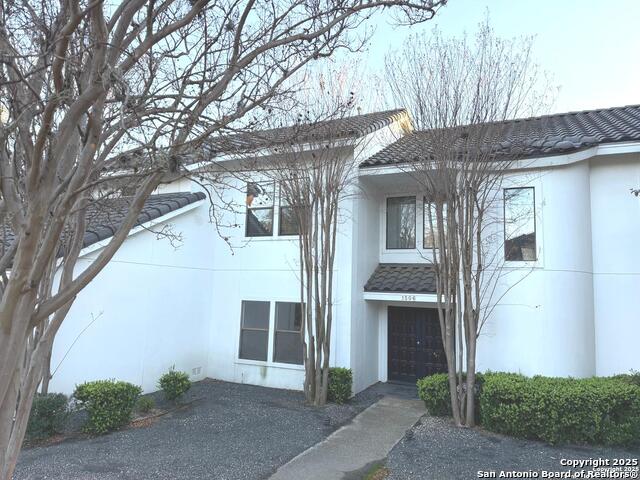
(377, 472)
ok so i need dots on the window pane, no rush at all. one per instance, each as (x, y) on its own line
(288, 221)
(519, 224)
(431, 237)
(260, 222)
(288, 316)
(287, 339)
(260, 195)
(401, 222)
(253, 344)
(288, 347)
(255, 315)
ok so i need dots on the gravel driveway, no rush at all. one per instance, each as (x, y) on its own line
(229, 431)
(435, 449)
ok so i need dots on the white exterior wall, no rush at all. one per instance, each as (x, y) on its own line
(574, 313)
(364, 315)
(267, 269)
(544, 324)
(144, 313)
(615, 216)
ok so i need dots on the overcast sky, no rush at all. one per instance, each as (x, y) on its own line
(591, 48)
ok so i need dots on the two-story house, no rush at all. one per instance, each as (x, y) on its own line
(225, 303)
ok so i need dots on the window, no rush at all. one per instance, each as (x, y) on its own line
(401, 222)
(259, 209)
(519, 224)
(288, 218)
(430, 236)
(254, 330)
(287, 342)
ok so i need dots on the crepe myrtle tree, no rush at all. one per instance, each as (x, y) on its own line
(458, 91)
(313, 166)
(97, 94)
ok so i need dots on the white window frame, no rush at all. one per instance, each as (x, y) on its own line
(271, 335)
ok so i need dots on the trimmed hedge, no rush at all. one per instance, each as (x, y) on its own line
(109, 404)
(562, 410)
(174, 384)
(340, 385)
(48, 415)
(434, 392)
(632, 378)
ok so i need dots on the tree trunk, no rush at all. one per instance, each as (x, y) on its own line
(471, 381)
(46, 374)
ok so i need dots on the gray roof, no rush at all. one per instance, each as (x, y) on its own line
(532, 137)
(105, 216)
(402, 277)
(341, 128)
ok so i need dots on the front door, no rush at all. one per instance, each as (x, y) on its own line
(415, 347)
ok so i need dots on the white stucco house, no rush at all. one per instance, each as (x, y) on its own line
(230, 313)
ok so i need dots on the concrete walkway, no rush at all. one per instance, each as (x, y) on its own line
(352, 450)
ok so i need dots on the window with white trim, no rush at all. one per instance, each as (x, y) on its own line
(254, 330)
(401, 223)
(287, 339)
(519, 224)
(256, 325)
(260, 201)
(430, 235)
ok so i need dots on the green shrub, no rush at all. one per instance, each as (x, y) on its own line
(632, 378)
(562, 410)
(174, 384)
(108, 403)
(48, 415)
(145, 404)
(434, 392)
(340, 385)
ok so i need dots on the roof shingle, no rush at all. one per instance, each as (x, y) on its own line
(532, 137)
(402, 277)
(105, 216)
(341, 128)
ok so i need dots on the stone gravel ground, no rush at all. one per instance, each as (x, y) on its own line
(226, 431)
(434, 449)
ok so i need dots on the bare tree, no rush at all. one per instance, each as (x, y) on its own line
(314, 169)
(96, 95)
(459, 92)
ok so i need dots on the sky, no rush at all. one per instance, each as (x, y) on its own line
(590, 48)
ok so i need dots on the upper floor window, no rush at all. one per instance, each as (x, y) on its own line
(519, 224)
(401, 222)
(429, 218)
(288, 218)
(260, 209)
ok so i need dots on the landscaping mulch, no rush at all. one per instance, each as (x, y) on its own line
(435, 449)
(222, 430)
